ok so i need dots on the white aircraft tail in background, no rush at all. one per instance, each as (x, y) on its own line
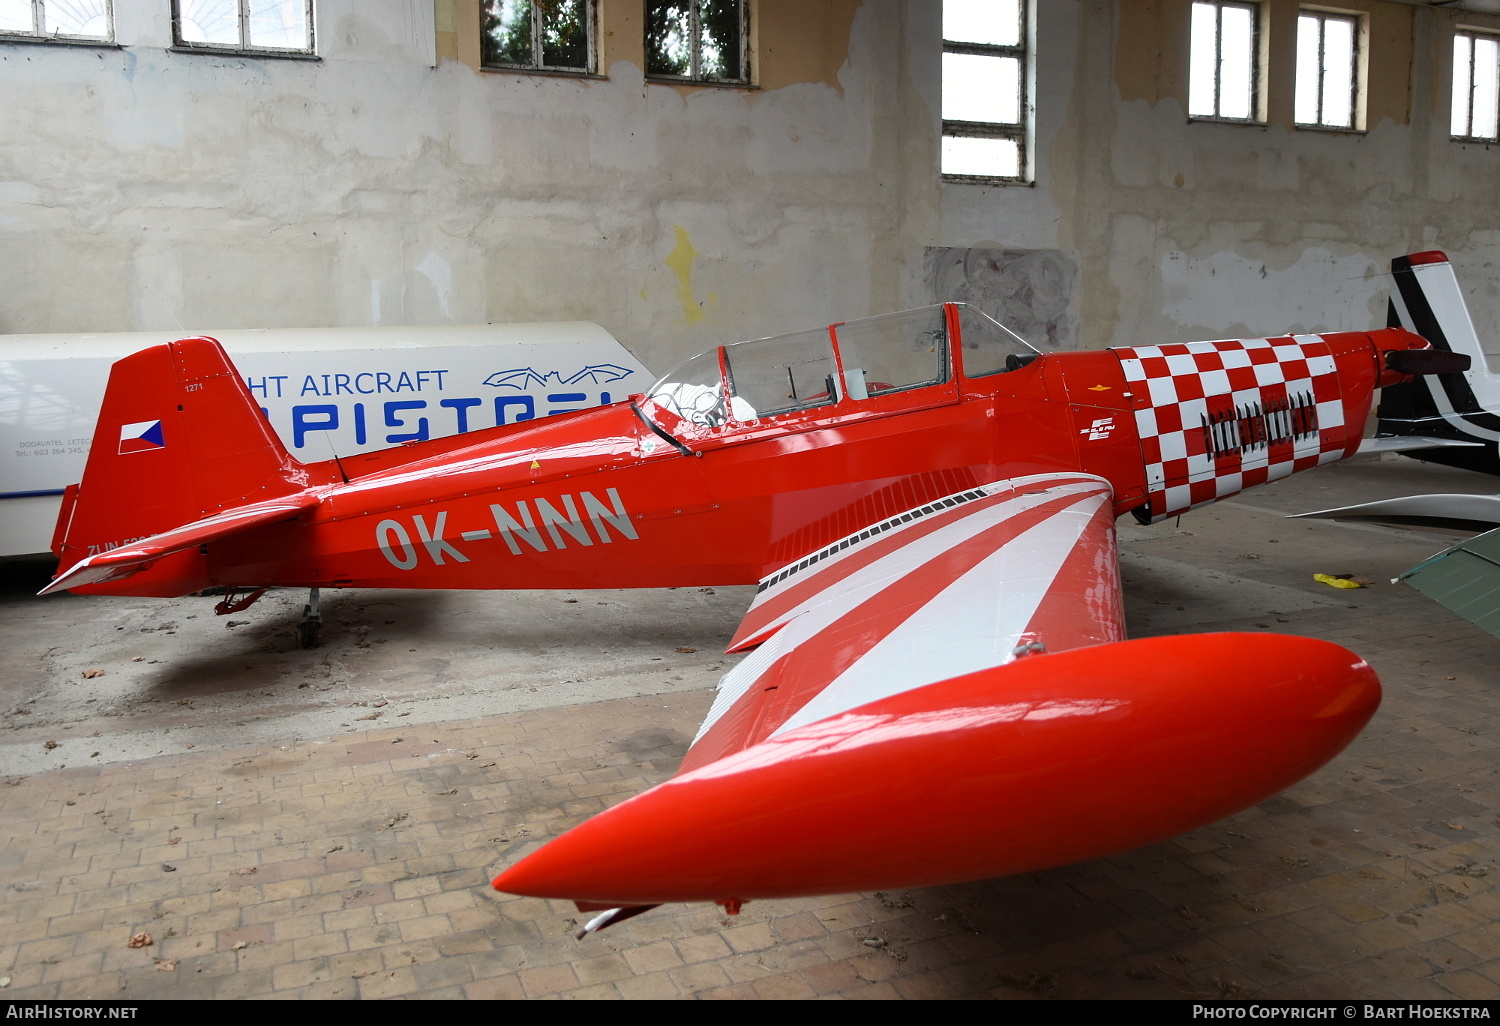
(1453, 419)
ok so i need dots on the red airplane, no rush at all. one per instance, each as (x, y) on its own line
(939, 688)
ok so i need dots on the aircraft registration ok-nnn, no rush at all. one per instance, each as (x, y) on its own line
(927, 505)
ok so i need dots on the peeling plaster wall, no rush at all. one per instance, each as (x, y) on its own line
(393, 182)
(142, 188)
(1186, 229)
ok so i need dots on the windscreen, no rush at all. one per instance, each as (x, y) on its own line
(689, 400)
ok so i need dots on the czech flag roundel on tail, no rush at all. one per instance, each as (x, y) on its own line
(141, 437)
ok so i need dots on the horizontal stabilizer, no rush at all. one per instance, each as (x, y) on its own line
(133, 557)
(1459, 511)
(1406, 443)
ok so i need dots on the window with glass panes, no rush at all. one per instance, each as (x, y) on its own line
(244, 26)
(1476, 86)
(697, 40)
(986, 115)
(61, 20)
(1223, 77)
(1327, 69)
(538, 35)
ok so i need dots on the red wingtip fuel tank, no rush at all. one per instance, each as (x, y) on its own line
(1050, 760)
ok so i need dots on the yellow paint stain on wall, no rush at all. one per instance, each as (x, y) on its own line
(681, 263)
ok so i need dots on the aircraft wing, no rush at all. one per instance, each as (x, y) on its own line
(1461, 511)
(1407, 443)
(945, 697)
(134, 556)
(966, 583)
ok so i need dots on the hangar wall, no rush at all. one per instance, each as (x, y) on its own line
(393, 182)
(143, 188)
(1184, 229)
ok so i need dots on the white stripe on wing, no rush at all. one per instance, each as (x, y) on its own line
(815, 614)
(973, 624)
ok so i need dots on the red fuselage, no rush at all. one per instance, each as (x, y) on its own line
(595, 499)
(630, 496)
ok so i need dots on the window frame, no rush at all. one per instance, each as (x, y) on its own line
(39, 35)
(591, 46)
(1359, 24)
(1257, 11)
(1473, 33)
(242, 8)
(1022, 131)
(694, 77)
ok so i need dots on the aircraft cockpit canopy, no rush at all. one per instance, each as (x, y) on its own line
(849, 362)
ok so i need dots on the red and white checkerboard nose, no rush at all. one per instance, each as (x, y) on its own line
(1215, 418)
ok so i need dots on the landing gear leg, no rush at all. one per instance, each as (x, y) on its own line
(307, 630)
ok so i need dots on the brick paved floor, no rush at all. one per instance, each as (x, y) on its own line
(355, 866)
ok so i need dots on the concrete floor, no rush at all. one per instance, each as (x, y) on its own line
(289, 823)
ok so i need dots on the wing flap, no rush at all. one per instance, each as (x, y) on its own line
(966, 583)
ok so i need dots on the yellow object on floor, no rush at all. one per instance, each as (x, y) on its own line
(1336, 582)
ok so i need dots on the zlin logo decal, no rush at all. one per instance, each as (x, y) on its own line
(1100, 428)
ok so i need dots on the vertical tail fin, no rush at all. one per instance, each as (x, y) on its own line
(179, 438)
(1466, 407)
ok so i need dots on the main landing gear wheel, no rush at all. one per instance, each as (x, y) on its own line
(307, 629)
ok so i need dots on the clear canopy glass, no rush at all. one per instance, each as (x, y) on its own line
(987, 346)
(839, 367)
